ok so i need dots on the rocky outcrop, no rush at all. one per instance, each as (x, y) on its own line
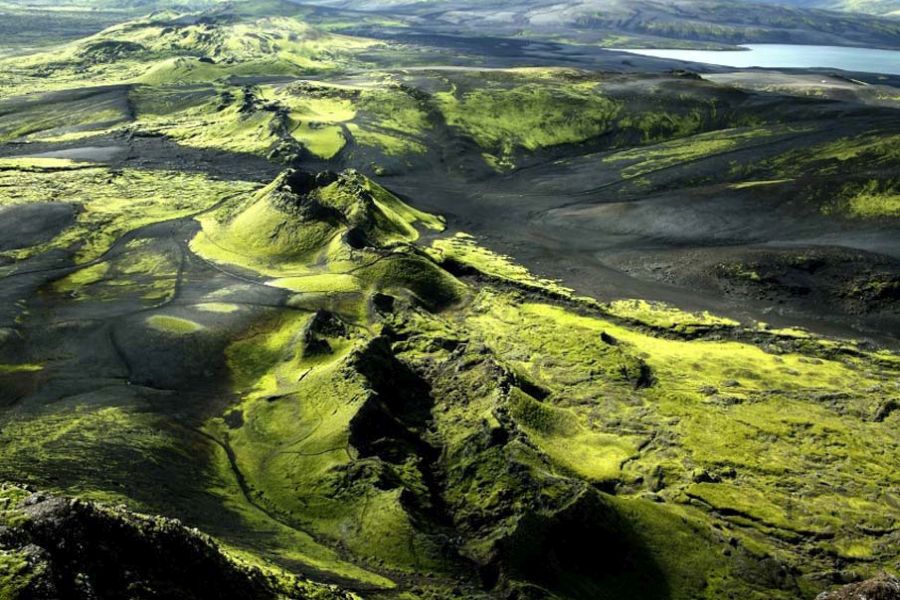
(881, 587)
(72, 549)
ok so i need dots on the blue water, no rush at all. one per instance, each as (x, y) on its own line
(867, 60)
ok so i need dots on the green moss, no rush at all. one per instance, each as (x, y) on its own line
(529, 116)
(325, 283)
(509, 402)
(82, 277)
(264, 233)
(313, 122)
(874, 199)
(597, 457)
(39, 165)
(855, 549)
(161, 53)
(390, 144)
(296, 451)
(6, 369)
(173, 325)
(15, 574)
(753, 423)
(392, 120)
(401, 214)
(111, 203)
(156, 464)
(462, 249)
(416, 276)
(254, 233)
(276, 540)
(876, 146)
(217, 122)
(143, 271)
(643, 161)
(273, 341)
(217, 307)
(753, 184)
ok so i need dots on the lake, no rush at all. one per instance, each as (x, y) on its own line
(869, 60)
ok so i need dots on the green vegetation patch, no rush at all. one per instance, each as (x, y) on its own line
(343, 235)
(662, 316)
(111, 203)
(173, 325)
(870, 200)
(162, 50)
(219, 120)
(6, 369)
(529, 116)
(463, 250)
(218, 307)
(597, 457)
(643, 161)
(300, 399)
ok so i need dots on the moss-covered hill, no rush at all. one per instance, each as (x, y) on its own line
(63, 548)
(301, 375)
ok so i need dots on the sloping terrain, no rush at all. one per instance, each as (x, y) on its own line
(645, 23)
(438, 411)
(384, 328)
(65, 548)
(875, 7)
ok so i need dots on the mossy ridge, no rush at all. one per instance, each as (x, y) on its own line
(566, 106)
(250, 119)
(34, 558)
(314, 117)
(394, 118)
(311, 118)
(461, 254)
(529, 116)
(170, 49)
(508, 488)
(663, 317)
(336, 234)
(306, 383)
(144, 270)
(644, 161)
(844, 178)
(174, 477)
(488, 546)
(292, 434)
(223, 118)
(791, 405)
(870, 149)
(112, 203)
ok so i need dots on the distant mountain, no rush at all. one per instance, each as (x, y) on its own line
(130, 6)
(609, 23)
(27, 25)
(874, 7)
(646, 22)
